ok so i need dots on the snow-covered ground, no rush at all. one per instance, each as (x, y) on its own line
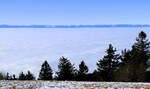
(71, 85)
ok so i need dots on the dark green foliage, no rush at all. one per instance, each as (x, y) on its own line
(22, 76)
(7, 77)
(125, 57)
(29, 76)
(45, 72)
(147, 76)
(66, 70)
(96, 76)
(14, 77)
(140, 56)
(141, 49)
(134, 64)
(108, 64)
(82, 73)
(83, 69)
(2, 76)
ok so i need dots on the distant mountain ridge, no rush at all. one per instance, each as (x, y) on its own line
(74, 26)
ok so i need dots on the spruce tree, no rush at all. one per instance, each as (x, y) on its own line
(22, 76)
(108, 64)
(122, 74)
(30, 76)
(125, 56)
(82, 72)
(2, 76)
(66, 70)
(140, 56)
(14, 77)
(7, 76)
(140, 49)
(134, 62)
(45, 72)
(83, 69)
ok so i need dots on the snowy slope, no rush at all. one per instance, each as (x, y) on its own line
(70, 85)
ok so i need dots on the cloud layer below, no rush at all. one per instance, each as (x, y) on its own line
(25, 49)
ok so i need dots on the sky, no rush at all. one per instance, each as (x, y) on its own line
(66, 12)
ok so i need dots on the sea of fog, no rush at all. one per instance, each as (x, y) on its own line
(24, 49)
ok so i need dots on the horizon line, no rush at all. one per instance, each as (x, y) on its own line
(76, 26)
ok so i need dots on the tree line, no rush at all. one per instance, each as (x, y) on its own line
(131, 65)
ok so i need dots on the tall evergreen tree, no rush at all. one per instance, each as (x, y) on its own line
(140, 49)
(45, 72)
(108, 64)
(30, 76)
(140, 56)
(66, 70)
(135, 61)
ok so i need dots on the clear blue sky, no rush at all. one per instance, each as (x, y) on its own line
(64, 12)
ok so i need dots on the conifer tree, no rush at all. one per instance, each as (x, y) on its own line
(2, 76)
(7, 76)
(30, 76)
(108, 64)
(83, 69)
(14, 77)
(22, 76)
(82, 72)
(135, 61)
(45, 72)
(66, 70)
(125, 56)
(140, 49)
(140, 56)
